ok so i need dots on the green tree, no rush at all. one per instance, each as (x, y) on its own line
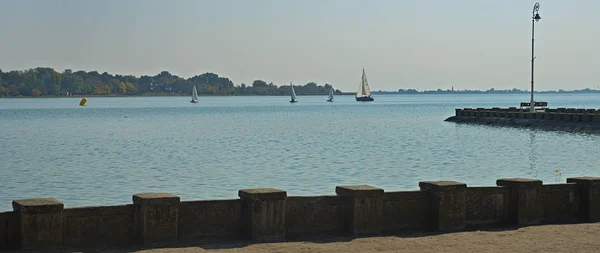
(49, 82)
(259, 84)
(14, 91)
(130, 88)
(243, 88)
(122, 88)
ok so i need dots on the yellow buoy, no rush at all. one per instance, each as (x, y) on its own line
(83, 101)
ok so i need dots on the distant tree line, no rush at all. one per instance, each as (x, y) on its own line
(47, 82)
(489, 91)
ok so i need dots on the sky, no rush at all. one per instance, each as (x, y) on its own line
(433, 44)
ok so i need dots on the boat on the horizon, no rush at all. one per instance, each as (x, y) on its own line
(330, 98)
(293, 95)
(364, 92)
(194, 95)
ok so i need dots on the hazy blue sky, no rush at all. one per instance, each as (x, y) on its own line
(401, 44)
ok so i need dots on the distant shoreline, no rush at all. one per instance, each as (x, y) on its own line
(277, 95)
(161, 95)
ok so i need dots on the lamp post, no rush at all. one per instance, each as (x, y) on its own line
(535, 18)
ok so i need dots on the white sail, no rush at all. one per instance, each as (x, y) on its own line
(330, 93)
(360, 91)
(194, 94)
(367, 90)
(293, 92)
(363, 89)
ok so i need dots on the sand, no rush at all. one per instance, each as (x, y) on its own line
(546, 238)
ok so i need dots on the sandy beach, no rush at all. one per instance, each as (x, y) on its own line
(546, 238)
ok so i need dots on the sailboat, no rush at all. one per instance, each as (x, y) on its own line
(293, 94)
(194, 95)
(364, 93)
(330, 98)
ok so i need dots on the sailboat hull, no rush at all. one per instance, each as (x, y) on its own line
(193, 102)
(293, 101)
(329, 100)
(364, 99)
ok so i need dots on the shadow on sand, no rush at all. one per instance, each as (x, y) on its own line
(214, 244)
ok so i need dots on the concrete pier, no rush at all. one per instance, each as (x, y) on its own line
(564, 119)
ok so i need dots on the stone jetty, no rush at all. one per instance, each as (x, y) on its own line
(562, 119)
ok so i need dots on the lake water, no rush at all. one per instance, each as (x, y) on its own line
(105, 152)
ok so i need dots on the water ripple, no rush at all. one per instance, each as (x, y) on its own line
(115, 147)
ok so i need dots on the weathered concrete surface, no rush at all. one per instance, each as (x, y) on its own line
(156, 218)
(559, 202)
(321, 215)
(99, 226)
(262, 194)
(364, 214)
(552, 125)
(524, 206)
(263, 213)
(210, 219)
(589, 192)
(405, 211)
(447, 204)
(9, 230)
(485, 205)
(39, 223)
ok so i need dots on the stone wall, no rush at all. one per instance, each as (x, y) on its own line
(269, 214)
(98, 226)
(8, 230)
(210, 219)
(486, 205)
(314, 215)
(405, 211)
(560, 202)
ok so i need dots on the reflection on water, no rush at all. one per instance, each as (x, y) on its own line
(533, 156)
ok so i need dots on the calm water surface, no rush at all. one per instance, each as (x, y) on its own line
(103, 153)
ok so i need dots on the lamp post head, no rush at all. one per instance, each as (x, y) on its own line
(536, 15)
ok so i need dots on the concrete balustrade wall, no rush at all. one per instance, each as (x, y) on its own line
(558, 114)
(560, 202)
(405, 211)
(315, 215)
(210, 219)
(98, 226)
(485, 205)
(269, 214)
(8, 230)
